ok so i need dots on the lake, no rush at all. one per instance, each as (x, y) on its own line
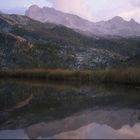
(62, 110)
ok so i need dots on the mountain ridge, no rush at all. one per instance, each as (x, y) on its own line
(115, 26)
(56, 46)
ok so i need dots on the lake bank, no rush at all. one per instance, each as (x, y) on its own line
(126, 76)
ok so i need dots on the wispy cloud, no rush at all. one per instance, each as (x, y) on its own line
(133, 11)
(97, 10)
(135, 3)
(78, 7)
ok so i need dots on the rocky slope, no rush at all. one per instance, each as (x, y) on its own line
(26, 43)
(116, 26)
(15, 51)
(51, 15)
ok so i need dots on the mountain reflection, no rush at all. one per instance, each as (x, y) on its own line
(39, 109)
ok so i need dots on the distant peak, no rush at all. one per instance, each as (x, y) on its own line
(34, 6)
(49, 8)
(117, 18)
(132, 20)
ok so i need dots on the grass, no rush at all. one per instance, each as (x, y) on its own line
(119, 76)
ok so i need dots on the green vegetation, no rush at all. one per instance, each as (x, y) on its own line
(119, 76)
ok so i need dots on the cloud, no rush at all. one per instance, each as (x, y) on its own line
(135, 3)
(77, 7)
(133, 11)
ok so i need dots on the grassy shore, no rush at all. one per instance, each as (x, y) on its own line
(119, 76)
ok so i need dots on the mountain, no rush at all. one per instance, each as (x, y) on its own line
(116, 26)
(51, 15)
(36, 31)
(27, 43)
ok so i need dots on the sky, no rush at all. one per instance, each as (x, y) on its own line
(94, 10)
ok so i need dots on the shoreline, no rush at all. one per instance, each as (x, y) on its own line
(128, 76)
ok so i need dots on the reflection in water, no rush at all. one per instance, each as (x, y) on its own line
(83, 120)
(21, 104)
(90, 131)
(13, 134)
(70, 110)
(97, 131)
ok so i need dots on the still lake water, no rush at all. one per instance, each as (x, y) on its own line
(39, 109)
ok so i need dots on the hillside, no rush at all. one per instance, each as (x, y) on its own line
(132, 62)
(15, 51)
(45, 45)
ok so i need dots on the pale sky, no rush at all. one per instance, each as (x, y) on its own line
(95, 10)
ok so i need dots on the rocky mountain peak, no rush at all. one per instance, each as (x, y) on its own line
(132, 20)
(52, 15)
(34, 7)
(115, 26)
(117, 19)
